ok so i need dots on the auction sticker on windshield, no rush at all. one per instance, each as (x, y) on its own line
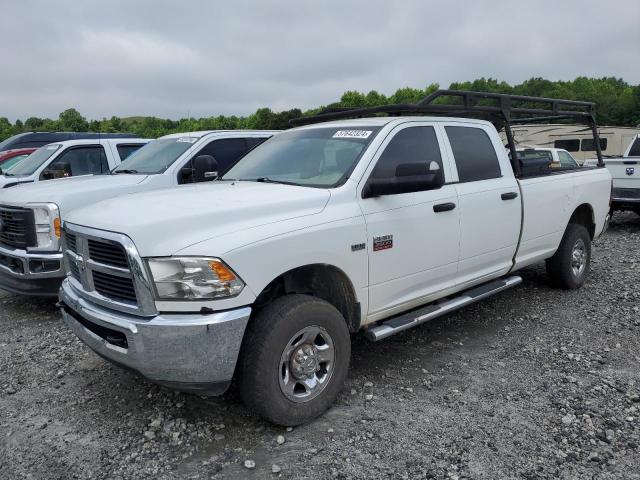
(352, 134)
(187, 140)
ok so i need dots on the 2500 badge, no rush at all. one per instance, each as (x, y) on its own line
(383, 242)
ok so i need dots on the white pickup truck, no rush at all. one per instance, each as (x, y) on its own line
(375, 224)
(558, 157)
(625, 171)
(30, 251)
(71, 158)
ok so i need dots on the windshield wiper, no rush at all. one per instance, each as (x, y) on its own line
(269, 180)
(124, 170)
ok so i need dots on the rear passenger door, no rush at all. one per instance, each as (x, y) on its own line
(412, 238)
(489, 200)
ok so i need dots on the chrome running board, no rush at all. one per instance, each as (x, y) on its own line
(413, 318)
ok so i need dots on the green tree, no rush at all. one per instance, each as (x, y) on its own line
(618, 103)
(71, 121)
(33, 123)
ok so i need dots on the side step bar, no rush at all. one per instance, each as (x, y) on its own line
(413, 318)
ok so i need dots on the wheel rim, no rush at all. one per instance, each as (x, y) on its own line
(579, 257)
(306, 364)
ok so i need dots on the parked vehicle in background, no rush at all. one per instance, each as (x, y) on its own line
(70, 158)
(30, 253)
(625, 171)
(9, 158)
(558, 158)
(375, 224)
(576, 139)
(39, 139)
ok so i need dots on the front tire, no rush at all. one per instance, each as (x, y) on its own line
(294, 360)
(569, 266)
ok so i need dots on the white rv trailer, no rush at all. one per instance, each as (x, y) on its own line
(576, 139)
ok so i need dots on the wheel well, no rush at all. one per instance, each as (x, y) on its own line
(320, 280)
(583, 215)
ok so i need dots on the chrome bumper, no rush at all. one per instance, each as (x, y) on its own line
(30, 273)
(191, 352)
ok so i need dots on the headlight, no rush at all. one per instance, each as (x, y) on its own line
(193, 278)
(48, 226)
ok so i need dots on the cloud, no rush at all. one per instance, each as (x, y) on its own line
(203, 58)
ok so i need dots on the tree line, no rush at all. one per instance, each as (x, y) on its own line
(618, 103)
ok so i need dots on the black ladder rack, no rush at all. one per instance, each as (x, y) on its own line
(501, 109)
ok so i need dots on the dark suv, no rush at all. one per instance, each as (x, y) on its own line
(38, 139)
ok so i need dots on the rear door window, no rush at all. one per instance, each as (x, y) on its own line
(474, 154)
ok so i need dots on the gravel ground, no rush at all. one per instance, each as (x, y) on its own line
(533, 383)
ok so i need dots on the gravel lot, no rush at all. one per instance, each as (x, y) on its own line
(533, 383)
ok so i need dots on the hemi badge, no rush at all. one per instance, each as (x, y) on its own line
(358, 246)
(384, 242)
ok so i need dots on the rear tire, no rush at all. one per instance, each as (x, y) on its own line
(294, 360)
(569, 266)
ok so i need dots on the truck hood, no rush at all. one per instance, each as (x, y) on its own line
(162, 222)
(4, 180)
(71, 193)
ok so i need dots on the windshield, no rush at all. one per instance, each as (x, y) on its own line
(313, 157)
(6, 165)
(155, 157)
(33, 162)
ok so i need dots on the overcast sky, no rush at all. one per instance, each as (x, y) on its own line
(202, 58)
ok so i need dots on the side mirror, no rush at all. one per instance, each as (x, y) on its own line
(57, 170)
(205, 168)
(410, 177)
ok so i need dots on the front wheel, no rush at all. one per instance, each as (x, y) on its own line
(295, 359)
(569, 266)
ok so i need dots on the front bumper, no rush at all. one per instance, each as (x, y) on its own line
(191, 352)
(30, 273)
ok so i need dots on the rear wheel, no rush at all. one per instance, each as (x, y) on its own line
(295, 358)
(569, 266)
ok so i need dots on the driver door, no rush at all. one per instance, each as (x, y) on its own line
(412, 238)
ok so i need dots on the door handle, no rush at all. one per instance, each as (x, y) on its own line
(509, 195)
(444, 207)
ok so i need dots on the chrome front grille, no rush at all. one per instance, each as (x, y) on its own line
(105, 267)
(108, 253)
(17, 227)
(70, 238)
(113, 286)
